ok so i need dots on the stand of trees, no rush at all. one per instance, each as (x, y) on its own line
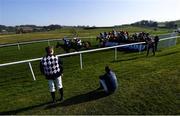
(171, 25)
(146, 23)
(34, 28)
(27, 28)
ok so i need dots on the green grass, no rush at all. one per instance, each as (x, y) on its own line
(147, 85)
(13, 38)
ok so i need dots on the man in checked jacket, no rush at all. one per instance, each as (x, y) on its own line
(51, 67)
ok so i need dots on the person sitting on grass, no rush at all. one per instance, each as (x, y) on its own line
(108, 81)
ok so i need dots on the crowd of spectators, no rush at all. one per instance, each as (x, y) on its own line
(122, 37)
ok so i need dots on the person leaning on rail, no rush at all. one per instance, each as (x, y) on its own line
(51, 67)
(150, 45)
(156, 41)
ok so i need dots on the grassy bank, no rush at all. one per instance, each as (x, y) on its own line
(147, 85)
(69, 32)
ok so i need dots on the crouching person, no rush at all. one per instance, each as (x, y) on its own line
(108, 81)
(51, 67)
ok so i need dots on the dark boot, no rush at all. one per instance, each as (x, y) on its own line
(53, 97)
(61, 94)
(153, 51)
(147, 52)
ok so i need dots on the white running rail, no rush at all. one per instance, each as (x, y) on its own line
(80, 53)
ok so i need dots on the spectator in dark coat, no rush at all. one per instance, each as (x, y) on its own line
(108, 81)
(156, 41)
(150, 45)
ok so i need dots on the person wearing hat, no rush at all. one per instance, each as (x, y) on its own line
(51, 67)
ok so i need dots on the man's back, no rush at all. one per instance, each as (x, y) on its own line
(156, 39)
(111, 81)
(51, 66)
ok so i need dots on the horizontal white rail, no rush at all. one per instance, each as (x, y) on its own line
(169, 38)
(35, 41)
(48, 40)
(28, 42)
(80, 52)
(68, 54)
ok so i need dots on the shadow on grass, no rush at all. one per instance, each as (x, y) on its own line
(128, 59)
(13, 112)
(171, 53)
(90, 96)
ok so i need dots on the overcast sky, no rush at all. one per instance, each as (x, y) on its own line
(86, 12)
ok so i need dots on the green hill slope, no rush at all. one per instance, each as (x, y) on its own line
(147, 85)
(69, 32)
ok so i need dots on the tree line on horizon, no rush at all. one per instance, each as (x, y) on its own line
(149, 23)
(28, 28)
(33, 28)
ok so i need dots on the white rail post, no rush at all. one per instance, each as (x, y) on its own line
(168, 43)
(48, 43)
(30, 66)
(176, 40)
(18, 46)
(115, 54)
(80, 55)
